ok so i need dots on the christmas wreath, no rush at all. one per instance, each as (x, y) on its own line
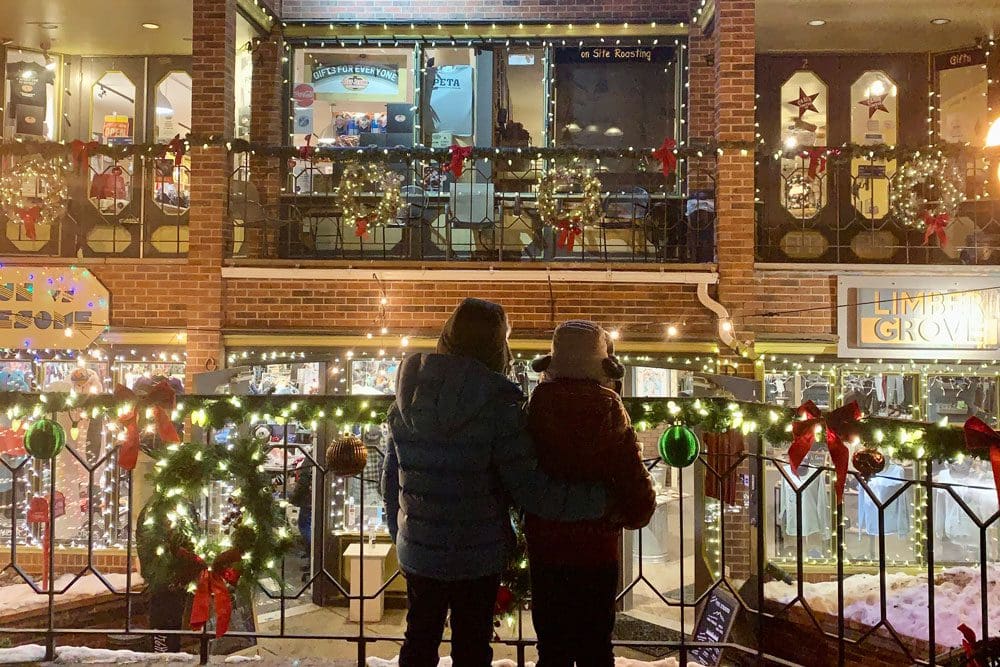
(569, 223)
(360, 178)
(46, 179)
(928, 191)
(181, 554)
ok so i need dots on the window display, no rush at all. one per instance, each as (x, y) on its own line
(243, 78)
(803, 128)
(31, 98)
(376, 377)
(956, 531)
(958, 398)
(172, 180)
(112, 122)
(449, 97)
(882, 394)
(889, 491)
(874, 120)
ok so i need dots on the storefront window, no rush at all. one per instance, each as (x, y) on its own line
(243, 77)
(449, 97)
(779, 388)
(172, 181)
(890, 493)
(30, 99)
(874, 120)
(956, 398)
(803, 127)
(970, 498)
(112, 122)
(890, 395)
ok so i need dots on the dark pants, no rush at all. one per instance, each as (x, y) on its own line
(573, 610)
(471, 603)
(166, 612)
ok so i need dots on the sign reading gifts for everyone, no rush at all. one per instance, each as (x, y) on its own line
(614, 54)
(51, 307)
(356, 79)
(916, 317)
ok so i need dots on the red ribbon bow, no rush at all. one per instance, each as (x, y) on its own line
(934, 226)
(817, 160)
(459, 155)
(665, 154)
(360, 227)
(836, 424)
(213, 584)
(978, 435)
(80, 151)
(29, 216)
(160, 398)
(306, 152)
(568, 231)
(178, 148)
(968, 644)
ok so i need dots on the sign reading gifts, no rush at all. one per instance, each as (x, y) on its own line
(918, 318)
(51, 307)
(356, 79)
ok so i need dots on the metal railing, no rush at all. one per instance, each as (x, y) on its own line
(709, 538)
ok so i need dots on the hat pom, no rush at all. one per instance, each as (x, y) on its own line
(541, 364)
(613, 368)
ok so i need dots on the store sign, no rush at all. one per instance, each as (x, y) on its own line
(356, 78)
(51, 307)
(917, 317)
(304, 95)
(960, 58)
(615, 54)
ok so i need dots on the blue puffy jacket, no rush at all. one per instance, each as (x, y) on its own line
(459, 456)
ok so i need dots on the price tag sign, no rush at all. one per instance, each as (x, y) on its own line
(38, 510)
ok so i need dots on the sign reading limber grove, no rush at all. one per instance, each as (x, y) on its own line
(39, 305)
(914, 317)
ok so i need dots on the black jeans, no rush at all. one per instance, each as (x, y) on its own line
(471, 603)
(573, 610)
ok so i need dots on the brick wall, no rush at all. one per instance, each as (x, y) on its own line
(793, 290)
(487, 10)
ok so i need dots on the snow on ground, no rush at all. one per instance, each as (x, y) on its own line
(23, 596)
(956, 601)
(75, 655)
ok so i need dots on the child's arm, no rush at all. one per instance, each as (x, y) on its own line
(634, 499)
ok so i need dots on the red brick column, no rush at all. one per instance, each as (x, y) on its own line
(213, 111)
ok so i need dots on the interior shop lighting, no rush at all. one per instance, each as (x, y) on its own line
(941, 21)
(149, 25)
(816, 23)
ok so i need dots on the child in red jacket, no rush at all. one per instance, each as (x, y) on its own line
(582, 433)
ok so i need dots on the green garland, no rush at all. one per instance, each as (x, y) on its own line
(182, 478)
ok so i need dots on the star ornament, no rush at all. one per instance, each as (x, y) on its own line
(805, 103)
(875, 103)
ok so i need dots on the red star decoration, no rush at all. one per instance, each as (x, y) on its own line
(875, 103)
(805, 103)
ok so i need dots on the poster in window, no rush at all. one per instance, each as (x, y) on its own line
(118, 130)
(373, 377)
(650, 382)
(452, 99)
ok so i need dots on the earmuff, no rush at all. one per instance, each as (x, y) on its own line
(613, 368)
(540, 364)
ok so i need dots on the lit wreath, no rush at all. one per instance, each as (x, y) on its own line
(361, 178)
(569, 223)
(938, 174)
(173, 546)
(48, 207)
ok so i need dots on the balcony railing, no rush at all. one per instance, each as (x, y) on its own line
(845, 210)
(490, 213)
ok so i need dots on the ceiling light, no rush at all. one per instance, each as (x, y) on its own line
(151, 26)
(940, 21)
(816, 22)
(48, 26)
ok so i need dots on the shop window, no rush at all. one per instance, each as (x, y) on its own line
(449, 97)
(243, 78)
(804, 98)
(956, 398)
(521, 97)
(891, 395)
(172, 181)
(373, 377)
(112, 122)
(32, 80)
(779, 389)
(964, 114)
(969, 498)
(874, 120)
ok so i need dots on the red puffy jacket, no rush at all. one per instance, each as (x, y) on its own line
(582, 433)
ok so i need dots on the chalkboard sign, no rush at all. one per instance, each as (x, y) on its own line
(714, 626)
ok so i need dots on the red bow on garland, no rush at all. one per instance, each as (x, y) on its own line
(459, 155)
(968, 644)
(80, 151)
(817, 160)
(568, 231)
(934, 226)
(161, 399)
(360, 227)
(29, 216)
(213, 583)
(836, 424)
(665, 154)
(978, 435)
(178, 148)
(306, 152)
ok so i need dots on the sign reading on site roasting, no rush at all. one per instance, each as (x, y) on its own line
(614, 54)
(51, 307)
(714, 626)
(911, 317)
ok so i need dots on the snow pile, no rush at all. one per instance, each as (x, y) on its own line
(23, 596)
(956, 601)
(74, 655)
(26, 653)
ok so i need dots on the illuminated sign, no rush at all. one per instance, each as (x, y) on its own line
(918, 317)
(350, 78)
(51, 307)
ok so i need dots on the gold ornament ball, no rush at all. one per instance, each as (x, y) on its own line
(347, 456)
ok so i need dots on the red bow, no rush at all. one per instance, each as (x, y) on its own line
(817, 160)
(29, 216)
(968, 644)
(835, 424)
(360, 227)
(978, 435)
(213, 583)
(306, 152)
(568, 231)
(459, 155)
(934, 226)
(80, 151)
(160, 398)
(665, 154)
(177, 147)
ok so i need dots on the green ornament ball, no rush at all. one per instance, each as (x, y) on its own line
(679, 446)
(44, 439)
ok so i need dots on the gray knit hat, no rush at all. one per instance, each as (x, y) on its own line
(478, 329)
(581, 350)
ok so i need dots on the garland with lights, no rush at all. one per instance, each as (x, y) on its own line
(936, 173)
(47, 206)
(358, 179)
(569, 223)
